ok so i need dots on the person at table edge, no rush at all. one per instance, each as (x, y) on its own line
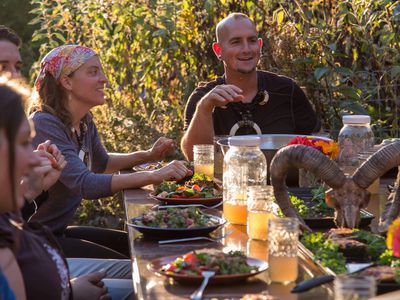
(244, 100)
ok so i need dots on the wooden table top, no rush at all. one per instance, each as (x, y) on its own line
(151, 286)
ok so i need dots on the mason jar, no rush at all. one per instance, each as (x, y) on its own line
(283, 236)
(355, 137)
(203, 159)
(260, 208)
(244, 165)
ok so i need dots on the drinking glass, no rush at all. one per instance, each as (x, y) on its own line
(354, 287)
(218, 157)
(203, 156)
(259, 211)
(283, 235)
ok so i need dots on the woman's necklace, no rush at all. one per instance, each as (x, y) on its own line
(80, 138)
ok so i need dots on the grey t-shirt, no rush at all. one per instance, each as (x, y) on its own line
(77, 180)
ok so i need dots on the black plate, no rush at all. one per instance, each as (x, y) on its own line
(164, 233)
(327, 222)
(182, 201)
(386, 287)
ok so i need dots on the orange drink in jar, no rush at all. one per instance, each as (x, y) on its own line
(259, 211)
(235, 212)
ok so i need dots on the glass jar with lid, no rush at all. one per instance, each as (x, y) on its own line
(244, 165)
(355, 137)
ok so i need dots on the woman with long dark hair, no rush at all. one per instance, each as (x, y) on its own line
(29, 255)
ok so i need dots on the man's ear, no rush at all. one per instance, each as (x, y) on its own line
(65, 82)
(217, 49)
(260, 42)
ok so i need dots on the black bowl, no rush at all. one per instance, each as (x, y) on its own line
(172, 233)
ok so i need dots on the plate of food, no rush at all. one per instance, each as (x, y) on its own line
(200, 189)
(229, 267)
(310, 203)
(339, 246)
(176, 223)
(150, 166)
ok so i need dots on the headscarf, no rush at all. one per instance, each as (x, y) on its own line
(63, 60)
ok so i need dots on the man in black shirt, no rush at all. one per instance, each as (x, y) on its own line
(245, 100)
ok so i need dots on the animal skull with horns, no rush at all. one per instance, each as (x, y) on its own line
(348, 194)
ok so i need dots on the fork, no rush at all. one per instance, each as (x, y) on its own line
(197, 238)
(198, 294)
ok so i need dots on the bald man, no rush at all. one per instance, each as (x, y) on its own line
(244, 100)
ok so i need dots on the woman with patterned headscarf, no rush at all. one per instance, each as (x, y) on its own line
(70, 83)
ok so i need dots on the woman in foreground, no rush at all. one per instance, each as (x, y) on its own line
(29, 256)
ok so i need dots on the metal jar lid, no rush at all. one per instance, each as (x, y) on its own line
(244, 141)
(356, 119)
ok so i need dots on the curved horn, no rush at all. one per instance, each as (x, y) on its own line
(392, 206)
(301, 156)
(376, 165)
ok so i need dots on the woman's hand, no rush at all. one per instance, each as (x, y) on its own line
(175, 170)
(161, 148)
(90, 287)
(42, 177)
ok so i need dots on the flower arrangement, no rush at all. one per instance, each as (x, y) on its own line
(329, 148)
(393, 237)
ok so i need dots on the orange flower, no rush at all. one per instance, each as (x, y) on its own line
(330, 148)
(393, 237)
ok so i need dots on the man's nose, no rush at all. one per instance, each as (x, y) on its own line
(246, 46)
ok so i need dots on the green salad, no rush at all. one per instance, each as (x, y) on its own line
(193, 263)
(199, 186)
(314, 208)
(176, 218)
(327, 252)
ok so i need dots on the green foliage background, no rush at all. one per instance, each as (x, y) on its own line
(346, 55)
(15, 14)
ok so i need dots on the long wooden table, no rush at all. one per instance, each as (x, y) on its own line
(151, 286)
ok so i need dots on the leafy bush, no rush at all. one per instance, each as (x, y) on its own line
(344, 53)
(15, 14)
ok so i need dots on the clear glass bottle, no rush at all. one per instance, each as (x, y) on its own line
(203, 159)
(355, 137)
(259, 210)
(283, 235)
(244, 165)
(354, 287)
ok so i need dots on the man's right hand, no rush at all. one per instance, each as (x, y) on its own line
(175, 170)
(220, 96)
